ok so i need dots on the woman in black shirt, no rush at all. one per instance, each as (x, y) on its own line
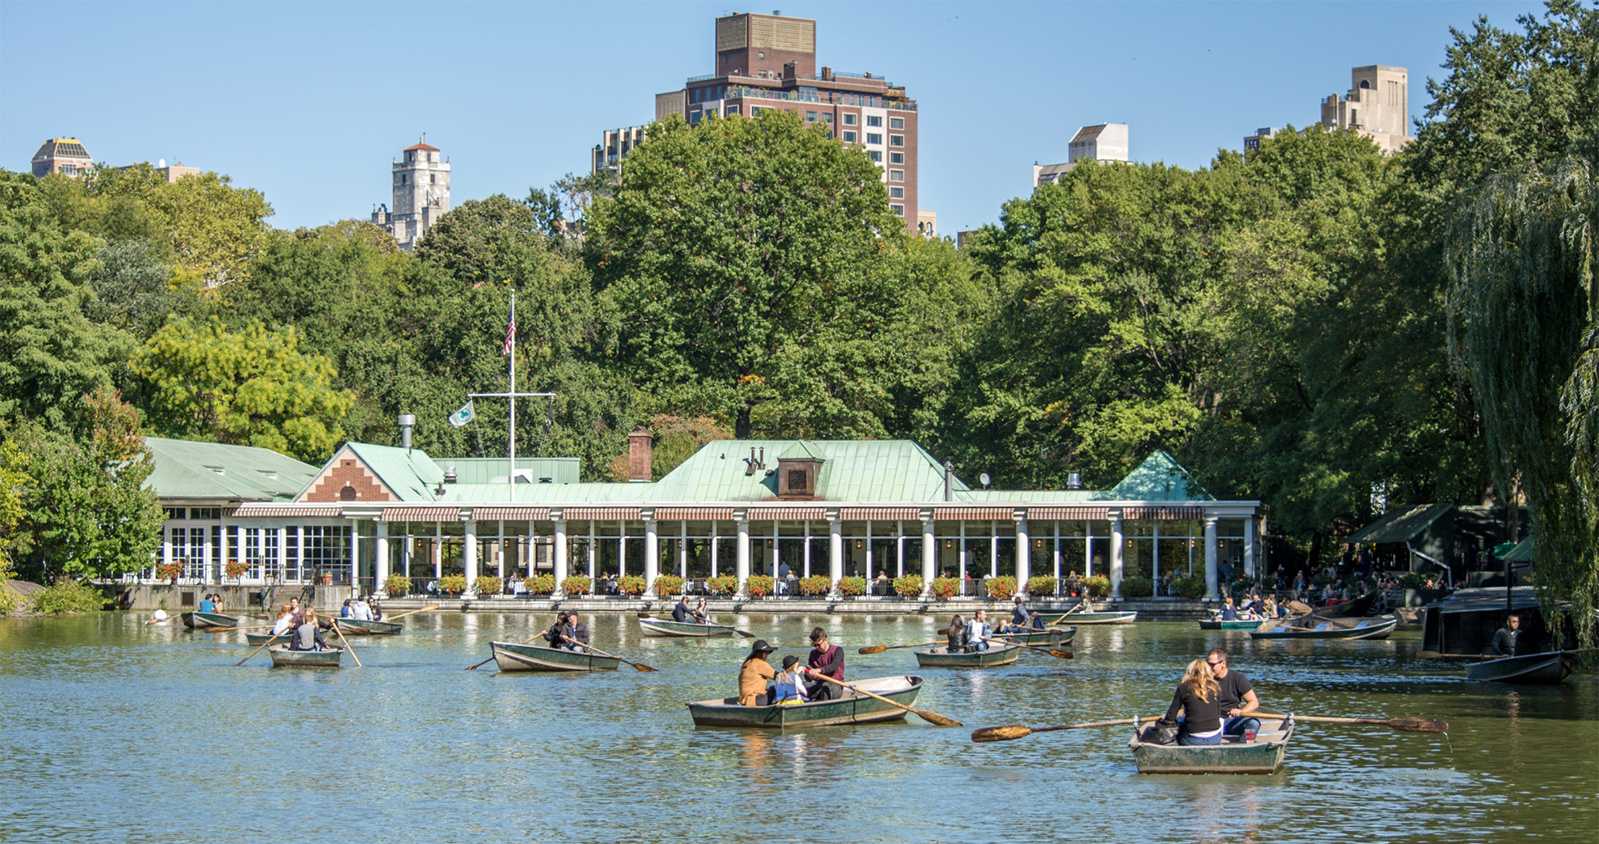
(1199, 700)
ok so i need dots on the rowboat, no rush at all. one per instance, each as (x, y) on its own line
(370, 628)
(681, 629)
(1066, 634)
(1352, 608)
(511, 656)
(198, 620)
(1317, 627)
(1029, 637)
(1093, 618)
(283, 657)
(263, 638)
(1264, 755)
(1235, 624)
(1546, 669)
(942, 658)
(851, 708)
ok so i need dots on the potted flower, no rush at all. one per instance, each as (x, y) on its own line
(1192, 588)
(486, 584)
(667, 585)
(761, 585)
(945, 588)
(169, 571)
(236, 569)
(1137, 587)
(908, 586)
(817, 585)
(1097, 585)
(577, 584)
(540, 584)
(633, 585)
(852, 587)
(1000, 588)
(452, 584)
(722, 585)
(396, 585)
(1041, 585)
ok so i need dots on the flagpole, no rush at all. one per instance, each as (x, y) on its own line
(512, 342)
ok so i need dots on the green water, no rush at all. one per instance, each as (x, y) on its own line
(113, 731)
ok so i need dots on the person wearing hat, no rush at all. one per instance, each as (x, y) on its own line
(789, 688)
(753, 674)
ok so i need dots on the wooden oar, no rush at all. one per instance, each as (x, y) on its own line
(408, 612)
(257, 650)
(1082, 602)
(231, 629)
(337, 629)
(638, 665)
(1409, 725)
(1054, 652)
(877, 649)
(491, 649)
(1016, 731)
(933, 718)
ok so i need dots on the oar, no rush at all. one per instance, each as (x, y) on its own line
(408, 612)
(1016, 731)
(933, 718)
(230, 629)
(1409, 725)
(877, 649)
(1054, 652)
(337, 629)
(491, 654)
(1080, 604)
(256, 651)
(638, 665)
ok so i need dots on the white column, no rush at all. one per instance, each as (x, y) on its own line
(652, 550)
(469, 553)
(929, 549)
(1210, 559)
(499, 550)
(438, 550)
(1024, 552)
(1088, 548)
(222, 548)
(807, 558)
(899, 548)
(869, 561)
(558, 518)
(993, 549)
(380, 561)
(960, 558)
(743, 570)
(714, 543)
(355, 558)
(682, 549)
(1057, 556)
(774, 552)
(621, 549)
(835, 550)
(283, 551)
(1249, 545)
(592, 553)
(1116, 553)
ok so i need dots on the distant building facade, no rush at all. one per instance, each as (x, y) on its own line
(1377, 106)
(614, 146)
(769, 62)
(66, 156)
(421, 194)
(1104, 142)
(1252, 142)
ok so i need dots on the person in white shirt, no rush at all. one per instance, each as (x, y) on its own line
(977, 632)
(363, 611)
(285, 621)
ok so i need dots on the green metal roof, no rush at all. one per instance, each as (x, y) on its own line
(852, 470)
(1159, 478)
(1402, 524)
(216, 471)
(482, 470)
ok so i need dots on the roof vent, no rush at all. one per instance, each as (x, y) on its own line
(449, 475)
(1074, 480)
(217, 469)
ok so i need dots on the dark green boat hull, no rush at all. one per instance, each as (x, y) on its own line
(851, 709)
(1233, 756)
(510, 656)
(995, 656)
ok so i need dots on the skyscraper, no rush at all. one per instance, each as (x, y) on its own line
(421, 194)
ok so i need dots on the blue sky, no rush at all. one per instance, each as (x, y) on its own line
(309, 102)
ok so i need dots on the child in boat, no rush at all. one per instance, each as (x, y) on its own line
(789, 688)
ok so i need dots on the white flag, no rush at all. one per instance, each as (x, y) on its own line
(463, 416)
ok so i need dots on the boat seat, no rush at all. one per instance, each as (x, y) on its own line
(1325, 625)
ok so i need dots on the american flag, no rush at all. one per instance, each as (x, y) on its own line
(510, 338)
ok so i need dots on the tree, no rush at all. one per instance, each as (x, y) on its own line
(251, 387)
(746, 258)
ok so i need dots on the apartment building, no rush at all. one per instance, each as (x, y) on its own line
(66, 156)
(1103, 142)
(1377, 106)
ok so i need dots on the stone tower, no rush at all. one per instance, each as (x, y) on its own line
(421, 194)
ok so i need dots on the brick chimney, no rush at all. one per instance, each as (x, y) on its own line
(639, 451)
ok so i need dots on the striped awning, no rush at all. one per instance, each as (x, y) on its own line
(985, 514)
(880, 514)
(696, 514)
(1067, 513)
(601, 514)
(267, 511)
(1165, 513)
(512, 514)
(421, 514)
(786, 514)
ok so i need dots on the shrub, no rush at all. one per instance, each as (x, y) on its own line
(67, 596)
(487, 584)
(396, 585)
(723, 585)
(1409, 580)
(452, 584)
(817, 585)
(1188, 587)
(539, 584)
(577, 584)
(908, 586)
(1041, 585)
(1000, 588)
(761, 585)
(632, 585)
(668, 584)
(1137, 587)
(168, 571)
(852, 586)
(1097, 585)
(236, 569)
(945, 588)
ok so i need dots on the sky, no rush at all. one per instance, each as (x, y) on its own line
(311, 102)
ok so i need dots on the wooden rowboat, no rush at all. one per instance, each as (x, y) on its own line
(942, 658)
(282, 657)
(1317, 627)
(1546, 669)
(262, 638)
(198, 620)
(370, 628)
(851, 708)
(1093, 618)
(1264, 755)
(1235, 624)
(681, 629)
(511, 656)
(1066, 634)
(1029, 637)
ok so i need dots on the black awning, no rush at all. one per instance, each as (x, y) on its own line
(1402, 525)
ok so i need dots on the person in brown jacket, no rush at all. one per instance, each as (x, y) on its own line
(754, 674)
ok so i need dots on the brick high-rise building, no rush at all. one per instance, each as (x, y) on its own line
(769, 61)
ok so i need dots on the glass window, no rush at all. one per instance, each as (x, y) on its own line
(874, 120)
(849, 137)
(876, 156)
(810, 115)
(899, 210)
(896, 175)
(896, 193)
(733, 109)
(849, 120)
(896, 158)
(874, 137)
(896, 140)
(896, 123)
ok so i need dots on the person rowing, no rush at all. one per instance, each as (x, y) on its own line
(308, 637)
(680, 612)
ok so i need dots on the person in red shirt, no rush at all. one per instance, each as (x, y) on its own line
(826, 659)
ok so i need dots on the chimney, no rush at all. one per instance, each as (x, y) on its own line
(827, 73)
(949, 474)
(407, 422)
(1074, 480)
(750, 465)
(639, 454)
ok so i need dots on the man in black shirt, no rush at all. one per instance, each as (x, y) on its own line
(1237, 697)
(1504, 643)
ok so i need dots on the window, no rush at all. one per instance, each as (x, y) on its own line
(733, 109)
(849, 137)
(896, 123)
(755, 109)
(874, 138)
(896, 158)
(849, 119)
(810, 115)
(175, 512)
(876, 156)
(896, 140)
(896, 193)
(874, 120)
(899, 210)
(896, 175)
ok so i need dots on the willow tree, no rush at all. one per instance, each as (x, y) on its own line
(1524, 327)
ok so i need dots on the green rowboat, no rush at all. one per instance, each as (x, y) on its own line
(942, 658)
(511, 656)
(681, 629)
(852, 708)
(199, 620)
(1235, 624)
(1317, 627)
(263, 638)
(282, 657)
(355, 626)
(1093, 618)
(1029, 637)
(1264, 755)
